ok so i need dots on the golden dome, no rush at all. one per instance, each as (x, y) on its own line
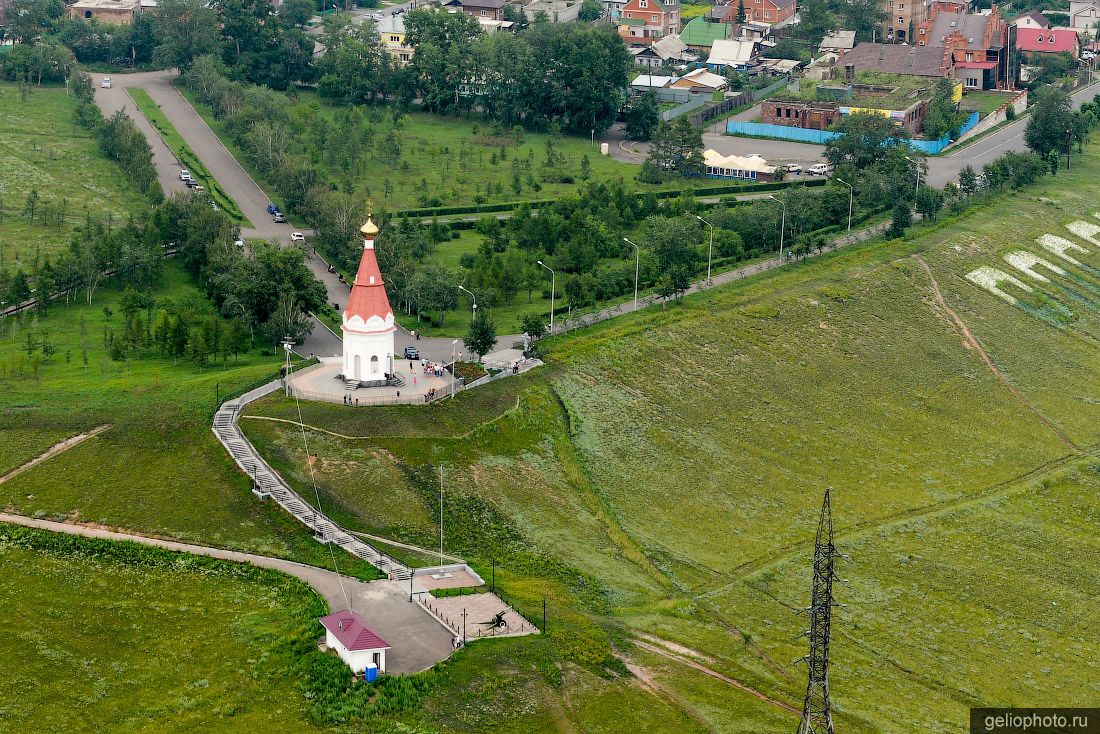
(369, 229)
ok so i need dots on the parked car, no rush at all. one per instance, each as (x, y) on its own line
(185, 175)
(278, 217)
(199, 188)
(793, 168)
(297, 237)
(376, 17)
(239, 243)
(819, 169)
(398, 11)
(272, 209)
(412, 352)
(106, 83)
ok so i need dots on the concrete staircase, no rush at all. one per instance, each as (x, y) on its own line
(267, 484)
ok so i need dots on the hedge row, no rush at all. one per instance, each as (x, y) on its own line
(439, 211)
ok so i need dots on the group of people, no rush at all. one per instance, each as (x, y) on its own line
(348, 401)
(429, 396)
(432, 368)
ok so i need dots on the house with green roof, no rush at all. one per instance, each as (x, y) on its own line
(699, 35)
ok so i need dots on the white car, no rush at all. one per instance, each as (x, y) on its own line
(239, 243)
(185, 175)
(376, 17)
(106, 83)
(793, 168)
(297, 237)
(819, 169)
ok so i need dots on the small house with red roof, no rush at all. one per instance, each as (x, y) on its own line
(357, 644)
(1047, 40)
(368, 322)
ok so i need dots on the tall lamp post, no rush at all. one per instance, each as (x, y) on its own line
(288, 347)
(851, 196)
(637, 268)
(553, 289)
(454, 346)
(916, 165)
(710, 250)
(473, 316)
(782, 226)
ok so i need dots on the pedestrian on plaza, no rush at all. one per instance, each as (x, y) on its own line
(357, 402)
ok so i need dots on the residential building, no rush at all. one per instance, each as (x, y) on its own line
(491, 9)
(749, 168)
(1084, 14)
(977, 44)
(119, 12)
(902, 15)
(759, 11)
(613, 9)
(669, 50)
(838, 42)
(649, 82)
(893, 59)
(1048, 41)
(360, 647)
(391, 34)
(737, 55)
(1034, 19)
(700, 81)
(700, 34)
(645, 21)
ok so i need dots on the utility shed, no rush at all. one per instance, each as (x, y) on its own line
(357, 644)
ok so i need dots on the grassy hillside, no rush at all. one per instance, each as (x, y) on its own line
(43, 149)
(159, 468)
(100, 637)
(659, 484)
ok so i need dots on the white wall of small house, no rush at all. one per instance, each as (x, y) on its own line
(357, 660)
(359, 349)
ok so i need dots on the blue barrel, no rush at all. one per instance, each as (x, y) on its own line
(371, 673)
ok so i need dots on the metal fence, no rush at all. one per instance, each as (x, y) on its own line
(823, 137)
(364, 401)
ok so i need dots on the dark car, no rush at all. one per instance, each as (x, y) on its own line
(191, 183)
(278, 217)
(412, 352)
(272, 209)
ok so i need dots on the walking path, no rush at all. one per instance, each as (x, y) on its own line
(267, 484)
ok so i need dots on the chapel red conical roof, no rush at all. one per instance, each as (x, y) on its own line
(368, 294)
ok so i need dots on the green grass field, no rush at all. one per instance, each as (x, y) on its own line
(662, 476)
(984, 102)
(43, 149)
(111, 642)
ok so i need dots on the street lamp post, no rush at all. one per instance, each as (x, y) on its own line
(782, 226)
(553, 289)
(454, 346)
(288, 347)
(637, 268)
(710, 250)
(473, 312)
(851, 196)
(916, 165)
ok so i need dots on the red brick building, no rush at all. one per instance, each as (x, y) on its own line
(646, 21)
(760, 11)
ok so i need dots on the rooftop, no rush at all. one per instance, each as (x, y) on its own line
(698, 32)
(896, 59)
(352, 632)
(120, 5)
(839, 40)
(873, 90)
(1050, 41)
(972, 27)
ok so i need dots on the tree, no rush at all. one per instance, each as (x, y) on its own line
(677, 149)
(816, 19)
(590, 11)
(186, 30)
(929, 202)
(968, 180)
(481, 337)
(741, 12)
(863, 139)
(901, 218)
(297, 12)
(1051, 127)
(643, 117)
(534, 325)
(942, 117)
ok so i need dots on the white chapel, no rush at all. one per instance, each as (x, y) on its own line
(368, 322)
